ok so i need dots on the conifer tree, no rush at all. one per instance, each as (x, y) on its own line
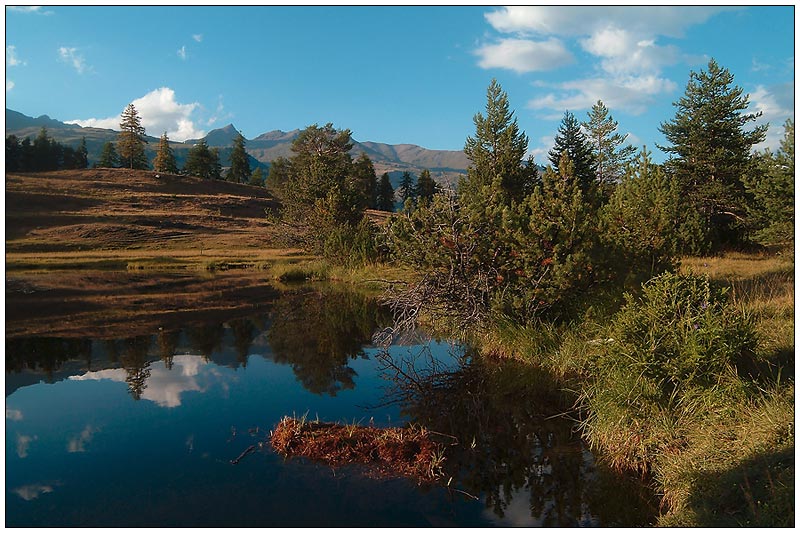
(364, 181)
(203, 161)
(711, 153)
(407, 187)
(426, 187)
(108, 157)
(165, 157)
(610, 156)
(257, 178)
(240, 166)
(497, 151)
(82, 154)
(131, 141)
(571, 141)
(278, 175)
(385, 196)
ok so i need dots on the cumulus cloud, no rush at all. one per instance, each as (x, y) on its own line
(159, 112)
(524, 55)
(11, 57)
(632, 94)
(73, 57)
(14, 415)
(24, 444)
(31, 492)
(78, 443)
(624, 39)
(198, 37)
(34, 10)
(670, 21)
(776, 104)
(165, 387)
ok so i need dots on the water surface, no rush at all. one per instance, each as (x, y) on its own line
(130, 407)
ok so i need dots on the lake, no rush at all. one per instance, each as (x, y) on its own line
(128, 396)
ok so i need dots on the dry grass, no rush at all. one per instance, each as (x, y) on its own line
(386, 452)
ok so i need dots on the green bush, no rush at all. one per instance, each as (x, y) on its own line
(681, 333)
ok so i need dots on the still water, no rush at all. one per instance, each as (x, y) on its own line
(127, 398)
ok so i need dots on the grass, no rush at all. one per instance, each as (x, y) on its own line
(719, 455)
(386, 452)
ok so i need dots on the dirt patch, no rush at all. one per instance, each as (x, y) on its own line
(386, 452)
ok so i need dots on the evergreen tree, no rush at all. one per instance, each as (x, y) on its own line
(641, 219)
(203, 162)
(46, 152)
(82, 154)
(131, 141)
(570, 140)
(407, 187)
(426, 187)
(610, 156)
(108, 157)
(385, 197)
(498, 150)
(712, 154)
(771, 213)
(257, 178)
(165, 157)
(278, 175)
(240, 165)
(364, 181)
(13, 154)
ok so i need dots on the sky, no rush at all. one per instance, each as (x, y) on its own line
(413, 75)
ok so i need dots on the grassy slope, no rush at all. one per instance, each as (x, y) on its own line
(118, 218)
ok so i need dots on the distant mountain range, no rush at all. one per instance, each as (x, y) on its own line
(445, 165)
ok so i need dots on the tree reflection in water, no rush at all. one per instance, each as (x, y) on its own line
(317, 333)
(512, 436)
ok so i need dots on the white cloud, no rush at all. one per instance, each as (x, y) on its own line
(632, 94)
(671, 21)
(23, 444)
(219, 113)
(182, 52)
(624, 52)
(776, 104)
(9, 85)
(31, 492)
(198, 37)
(78, 443)
(159, 112)
(13, 414)
(74, 58)
(165, 387)
(11, 57)
(37, 10)
(523, 55)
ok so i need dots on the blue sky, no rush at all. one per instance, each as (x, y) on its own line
(391, 74)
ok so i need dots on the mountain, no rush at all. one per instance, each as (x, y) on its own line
(446, 166)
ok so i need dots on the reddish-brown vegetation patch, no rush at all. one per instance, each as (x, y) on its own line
(408, 451)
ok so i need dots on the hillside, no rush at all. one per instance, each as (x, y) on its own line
(112, 217)
(445, 165)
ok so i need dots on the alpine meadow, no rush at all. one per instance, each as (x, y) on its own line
(578, 310)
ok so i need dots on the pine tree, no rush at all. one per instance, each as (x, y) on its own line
(278, 175)
(571, 141)
(203, 161)
(385, 196)
(240, 166)
(364, 181)
(407, 187)
(610, 156)
(257, 178)
(426, 187)
(82, 154)
(498, 150)
(165, 158)
(771, 213)
(108, 157)
(712, 153)
(131, 141)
